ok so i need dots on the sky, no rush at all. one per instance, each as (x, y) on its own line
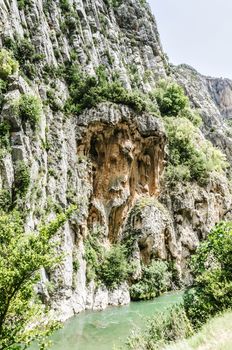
(197, 32)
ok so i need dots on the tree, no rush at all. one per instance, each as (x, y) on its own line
(212, 271)
(171, 98)
(23, 318)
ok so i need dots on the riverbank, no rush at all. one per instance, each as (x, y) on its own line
(215, 335)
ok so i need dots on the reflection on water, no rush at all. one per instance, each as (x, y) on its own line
(106, 329)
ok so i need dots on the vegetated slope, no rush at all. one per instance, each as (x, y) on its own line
(215, 335)
(85, 119)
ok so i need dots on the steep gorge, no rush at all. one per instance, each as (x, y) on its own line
(110, 158)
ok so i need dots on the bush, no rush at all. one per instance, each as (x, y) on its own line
(23, 3)
(24, 52)
(22, 179)
(163, 328)
(155, 280)
(4, 139)
(171, 98)
(3, 90)
(105, 267)
(212, 271)
(8, 65)
(93, 253)
(5, 199)
(29, 109)
(114, 268)
(191, 157)
(88, 91)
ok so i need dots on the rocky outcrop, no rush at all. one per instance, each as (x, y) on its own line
(126, 151)
(213, 99)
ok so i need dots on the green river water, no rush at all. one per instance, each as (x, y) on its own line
(103, 330)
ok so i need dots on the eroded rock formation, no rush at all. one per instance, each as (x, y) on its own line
(126, 151)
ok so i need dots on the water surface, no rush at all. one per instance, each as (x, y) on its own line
(107, 329)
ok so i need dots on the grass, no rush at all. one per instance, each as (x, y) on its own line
(215, 335)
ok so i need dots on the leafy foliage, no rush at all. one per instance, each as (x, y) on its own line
(163, 328)
(212, 272)
(108, 267)
(21, 257)
(8, 65)
(24, 51)
(4, 138)
(114, 268)
(23, 3)
(29, 109)
(191, 157)
(173, 102)
(3, 90)
(171, 98)
(22, 179)
(155, 280)
(88, 91)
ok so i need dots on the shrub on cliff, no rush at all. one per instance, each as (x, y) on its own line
(173, 102)
(29, 108)
(191, 157)
(88, 91)
(114, 268)
(212, 271)
(108, 267)
(155, 280)
(8, 65)
(171, 98)
(21, 178)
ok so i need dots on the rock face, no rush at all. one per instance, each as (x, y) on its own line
(109, 159)
(213, 98)
(127, 156)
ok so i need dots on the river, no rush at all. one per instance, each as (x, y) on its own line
(110, 328)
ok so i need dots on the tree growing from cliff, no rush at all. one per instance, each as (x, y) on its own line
(23, 318)
(171, 98)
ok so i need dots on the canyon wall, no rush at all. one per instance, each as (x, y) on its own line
(108, 159)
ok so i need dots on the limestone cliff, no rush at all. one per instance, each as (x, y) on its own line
(110, 158)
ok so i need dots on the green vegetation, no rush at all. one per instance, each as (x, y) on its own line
(88, 91)
(173, 102)
(156, 279)
(5, 200)
(163, 328)
(171, 98)
(25, 53)
(52, 101)
(22, 179)
(215, 335)
(3, 90)
(114, 268)
(210, 295)
(108, 267)
(22, 316)
(23, 3)
(4, 139)
(29, 109)
(191, 157)
(8, 65)
(113, 3)
(212, 271)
